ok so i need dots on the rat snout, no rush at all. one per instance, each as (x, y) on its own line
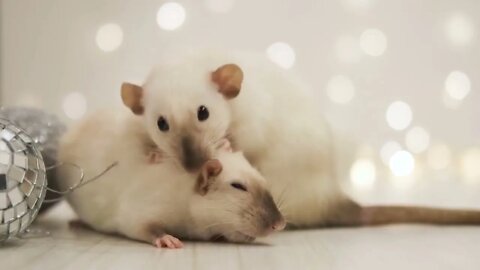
(279, 224)
(272, 219)
(192, 156)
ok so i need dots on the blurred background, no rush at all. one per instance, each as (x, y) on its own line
(401, 77)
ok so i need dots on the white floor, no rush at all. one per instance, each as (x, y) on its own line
(394, 247)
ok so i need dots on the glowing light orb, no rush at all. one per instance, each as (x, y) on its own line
(457, 85)
(74, 105)
(402, 163)
(417, 140)
(281, 54)
(363, 174)
(439, 156)
(387, 151)
(340, 89)
(399, 115)
(109, 37)
(171, 16)
(373, 42)
(459, 29)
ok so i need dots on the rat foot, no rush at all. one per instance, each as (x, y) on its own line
(167, 241)
(225, 145)
(154, 157)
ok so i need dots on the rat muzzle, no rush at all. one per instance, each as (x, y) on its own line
(193, 156)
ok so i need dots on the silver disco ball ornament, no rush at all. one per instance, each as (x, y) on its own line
(23, 183)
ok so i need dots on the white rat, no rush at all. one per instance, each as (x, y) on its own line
(160, 203)
(195, 100)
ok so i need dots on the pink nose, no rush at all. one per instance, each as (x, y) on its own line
(279, 225)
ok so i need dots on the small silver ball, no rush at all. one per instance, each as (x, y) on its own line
(23, 180)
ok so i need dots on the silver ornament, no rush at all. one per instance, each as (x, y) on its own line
(23, 182)
(45, 129)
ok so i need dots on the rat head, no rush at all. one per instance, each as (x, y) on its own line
(231, 201)
(185, 110)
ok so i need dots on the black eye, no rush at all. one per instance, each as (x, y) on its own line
(202, 113)
(239, 186)
(163, 124)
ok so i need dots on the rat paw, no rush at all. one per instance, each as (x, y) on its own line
(225, 145)
(154, 157)
(167, 241)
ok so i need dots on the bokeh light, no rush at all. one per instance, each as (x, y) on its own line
(459, 29)
(340, 89)
(373, 42)
(439, 156)
(347, 49)
(470, 165)
(402, 163)
(399, 115)
(109, 37)
(281, 54)
(417, 140)
(74, 105)
(363, 174)
(457, 85)
(171, 16)
(357, 4)
(387, 151)
(220, 6)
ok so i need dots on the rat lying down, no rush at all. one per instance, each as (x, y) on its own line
(160, 202)
(272, 117)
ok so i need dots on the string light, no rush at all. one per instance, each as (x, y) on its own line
(373, 42)
(470, 165)
(357, 4)
(74, 105)
(459, 29)
(340, 89)
(363, 174)
(171, 16)
(399, 115)
(417, 140)
(387, 151)
(219, 6)
(281, 54)
(402, 163)
(439, 156)
(109, 37)
(457, 85)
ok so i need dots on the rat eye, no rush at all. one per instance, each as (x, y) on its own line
(238, 186)
(163, 124)
(202, 113)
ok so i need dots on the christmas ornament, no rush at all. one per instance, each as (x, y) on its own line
(23, 182)
(45, 129)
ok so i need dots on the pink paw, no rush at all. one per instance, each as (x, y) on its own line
(167, 241)
(154, 157)
(225, 145)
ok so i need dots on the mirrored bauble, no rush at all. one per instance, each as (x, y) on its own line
(22, 180)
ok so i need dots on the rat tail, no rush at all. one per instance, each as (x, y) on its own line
(352, 214)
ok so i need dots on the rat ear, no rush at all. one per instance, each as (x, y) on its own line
(229, 79)
(132, 96)
(210, 170)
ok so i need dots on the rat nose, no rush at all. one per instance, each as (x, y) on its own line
(279, 225)
(193, 158)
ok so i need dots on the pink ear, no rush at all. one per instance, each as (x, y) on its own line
(132, 96)
(210, 170)
(229, 79)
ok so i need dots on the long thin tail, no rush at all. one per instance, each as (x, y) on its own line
(378, 215)
(352, 214)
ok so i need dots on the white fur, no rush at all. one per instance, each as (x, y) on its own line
(274, 121)
(136, 194)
